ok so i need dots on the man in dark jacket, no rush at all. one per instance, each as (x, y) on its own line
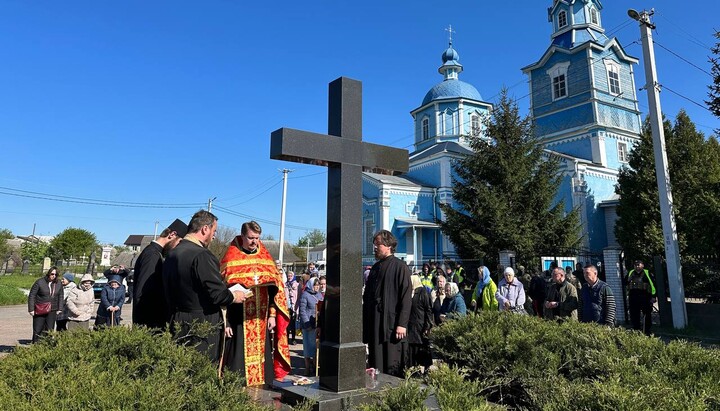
(596, 300)
(387, 302)
(194, 288)
(150, 307)
(561, 301)
(641, 297)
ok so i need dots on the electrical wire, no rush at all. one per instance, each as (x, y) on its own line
(79, 200)
(682, 58)
(686, 98)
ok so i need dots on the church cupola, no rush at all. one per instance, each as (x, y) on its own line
(575, 22)
(451, 66)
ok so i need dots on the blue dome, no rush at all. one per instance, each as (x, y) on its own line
(452, 89)
(450, 55)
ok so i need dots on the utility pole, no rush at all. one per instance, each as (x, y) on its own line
(281, 248)
(210, 201)
(156, 226)
(670, 238)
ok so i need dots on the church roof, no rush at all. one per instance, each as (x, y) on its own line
(449, 89)
(446, 147)
(395, 180)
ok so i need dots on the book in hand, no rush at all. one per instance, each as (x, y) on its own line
(239, 287)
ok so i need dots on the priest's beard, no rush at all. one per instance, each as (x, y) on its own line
(166, 249)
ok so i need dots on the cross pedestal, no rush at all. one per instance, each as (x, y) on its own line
(342, 353)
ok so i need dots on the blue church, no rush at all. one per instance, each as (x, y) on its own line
(585, 110)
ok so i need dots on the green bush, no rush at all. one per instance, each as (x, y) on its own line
(116, 369)
(527, 363)
(11, 295)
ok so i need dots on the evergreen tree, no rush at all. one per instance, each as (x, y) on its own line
(694, 165)
(506, 193)
(714, 94)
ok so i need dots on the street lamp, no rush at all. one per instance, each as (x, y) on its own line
(672, 252)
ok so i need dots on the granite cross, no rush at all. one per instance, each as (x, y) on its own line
(342, 353)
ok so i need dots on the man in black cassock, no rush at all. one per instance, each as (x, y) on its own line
(194, 289)
(150, 307)
(387, 302)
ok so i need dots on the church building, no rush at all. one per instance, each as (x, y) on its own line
(585, 109)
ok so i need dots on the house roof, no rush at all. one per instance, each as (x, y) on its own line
(319, 247)
(135, 239)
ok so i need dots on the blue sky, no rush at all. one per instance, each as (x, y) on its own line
(173, 102)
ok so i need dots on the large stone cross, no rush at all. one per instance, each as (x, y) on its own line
(342, 353)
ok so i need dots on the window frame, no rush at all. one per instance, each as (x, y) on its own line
(623, 154)
(612, 67)
(425, 128)
(562, 19)
(559, 80)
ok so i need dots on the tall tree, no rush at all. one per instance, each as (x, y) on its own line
(34, 251)
(312, 238)
(73, 242)
(5, 249)
(694, 165)
(714, 93)
(505, 192)
(223, 236)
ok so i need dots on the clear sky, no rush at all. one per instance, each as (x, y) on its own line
(172, 103)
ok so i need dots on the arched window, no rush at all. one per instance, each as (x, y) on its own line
(474, 125)
(562, 19)
(593, 16)
(613, 73)
(558, 78)
(425, 128)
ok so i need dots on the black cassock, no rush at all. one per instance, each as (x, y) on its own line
(150, 307)
(387, 302)
(195, 292)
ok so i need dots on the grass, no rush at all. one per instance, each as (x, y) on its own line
(11, 295)
(19, 280)
(10, 286)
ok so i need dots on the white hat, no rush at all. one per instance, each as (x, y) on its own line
(510, 271)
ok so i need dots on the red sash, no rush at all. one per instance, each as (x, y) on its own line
(257, 272)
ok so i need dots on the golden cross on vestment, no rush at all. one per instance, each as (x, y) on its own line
(257, 279)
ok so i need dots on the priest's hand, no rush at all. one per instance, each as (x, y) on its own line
(271, 323)
(239, 297)
(400, 332)
(228, 332)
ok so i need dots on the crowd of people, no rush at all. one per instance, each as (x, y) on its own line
(253, 309)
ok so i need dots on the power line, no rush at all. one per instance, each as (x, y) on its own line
(692, 38)
(686, 98)
(79, 200)
(261, 220)
(682, 58)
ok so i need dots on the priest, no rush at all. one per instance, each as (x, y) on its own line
(387, 302)
(150, 308)
(257, 344)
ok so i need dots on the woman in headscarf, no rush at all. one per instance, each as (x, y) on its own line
(291, 287)
(45, 302)
(421, 321)
(484, 291)
(68, 283)
(454, 304)
(80, 304)
(511, 293)
(308, 319)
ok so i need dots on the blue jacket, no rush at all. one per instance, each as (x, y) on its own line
(596, 304)
(454, 307)
(111, 297)
(307, 307)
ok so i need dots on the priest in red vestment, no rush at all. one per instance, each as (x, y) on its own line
(256, 337)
